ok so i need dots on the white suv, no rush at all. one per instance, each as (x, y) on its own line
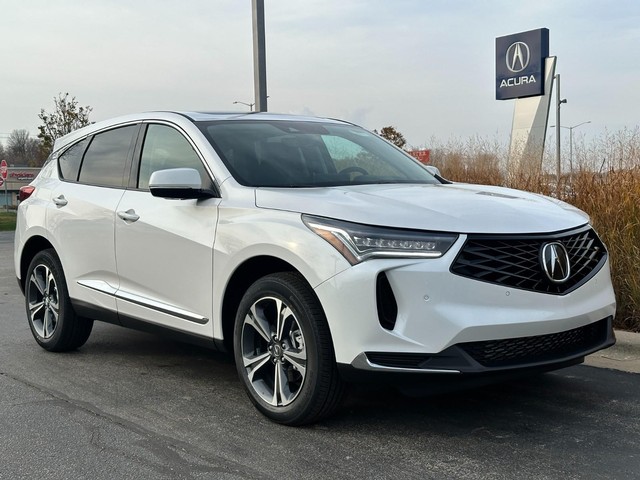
(314, 250)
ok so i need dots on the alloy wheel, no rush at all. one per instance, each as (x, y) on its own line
(274, 354)
(43, 301)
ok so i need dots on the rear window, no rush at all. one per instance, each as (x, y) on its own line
(106, 158)
(69, 161)
(309, 154)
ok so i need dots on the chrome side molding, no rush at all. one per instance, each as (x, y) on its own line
(161, 307)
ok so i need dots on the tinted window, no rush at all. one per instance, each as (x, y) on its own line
(70, 160)
(106, 157)
(282, 153)
(165, 147)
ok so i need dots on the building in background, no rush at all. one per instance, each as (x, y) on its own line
(423, 156)
(16, 177)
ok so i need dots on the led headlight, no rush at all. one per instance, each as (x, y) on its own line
(358, 242)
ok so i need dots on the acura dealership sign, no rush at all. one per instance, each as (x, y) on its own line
(520, 60)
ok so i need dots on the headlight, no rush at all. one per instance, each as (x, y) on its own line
(358, 242)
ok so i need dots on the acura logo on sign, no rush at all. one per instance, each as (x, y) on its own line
(555, 262)
(520, 64)
(518, 57)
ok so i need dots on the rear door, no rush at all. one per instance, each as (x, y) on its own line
(81, 216)
(164, 248)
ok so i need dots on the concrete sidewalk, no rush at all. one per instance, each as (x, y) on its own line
(624, 355)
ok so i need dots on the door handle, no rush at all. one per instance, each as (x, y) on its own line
(60, 201)
(129, 215)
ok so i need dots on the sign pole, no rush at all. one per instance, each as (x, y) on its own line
(522, 73)
(4, 170)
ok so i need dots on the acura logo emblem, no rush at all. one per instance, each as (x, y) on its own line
(555, 262)
(517, 57)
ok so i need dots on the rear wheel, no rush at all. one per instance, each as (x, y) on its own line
(54, 324)
(283, 351)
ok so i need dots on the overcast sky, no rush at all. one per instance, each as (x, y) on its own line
(425, 66)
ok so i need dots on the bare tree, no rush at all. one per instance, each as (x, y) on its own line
(23, 150)
(66, 118)
(35, 155)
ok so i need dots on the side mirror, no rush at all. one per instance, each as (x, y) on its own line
(435, 171)
(177, 183)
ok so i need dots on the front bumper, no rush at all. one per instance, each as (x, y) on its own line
(439, 312)
(420, 375)
(542, 352)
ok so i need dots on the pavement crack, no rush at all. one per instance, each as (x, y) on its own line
(171, 452)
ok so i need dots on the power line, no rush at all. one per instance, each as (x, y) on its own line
(31, 134)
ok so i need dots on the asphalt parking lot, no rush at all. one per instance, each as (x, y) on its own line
(133, 405)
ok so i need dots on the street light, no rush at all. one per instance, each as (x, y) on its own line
(250, 105)
(571, 141)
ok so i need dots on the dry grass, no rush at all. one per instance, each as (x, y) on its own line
(613, 201)
(605, 183)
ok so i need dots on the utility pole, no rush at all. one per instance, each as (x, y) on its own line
(259, 56)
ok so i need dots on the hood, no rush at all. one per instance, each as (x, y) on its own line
(459, 208)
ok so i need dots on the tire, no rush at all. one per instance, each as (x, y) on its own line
(287, 367)
(53, 322)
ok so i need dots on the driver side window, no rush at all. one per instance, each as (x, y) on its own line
(165, 147)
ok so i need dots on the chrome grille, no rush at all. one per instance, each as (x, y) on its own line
(514, 260)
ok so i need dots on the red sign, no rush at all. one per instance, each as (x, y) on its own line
(3, 169)
(421, 155)
(19, 175)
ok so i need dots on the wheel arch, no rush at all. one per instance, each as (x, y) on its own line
(31, 247)
(242, 278)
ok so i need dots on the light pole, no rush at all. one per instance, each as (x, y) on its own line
(571, 141)
(250, 105)
(259, 56)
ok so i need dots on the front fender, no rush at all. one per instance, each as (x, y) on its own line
(243, 235)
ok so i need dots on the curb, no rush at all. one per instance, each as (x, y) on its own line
(624, 355)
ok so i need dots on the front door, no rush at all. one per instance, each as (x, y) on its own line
(164, 248)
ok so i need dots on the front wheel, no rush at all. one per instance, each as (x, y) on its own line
(283, 351)
(53, 322)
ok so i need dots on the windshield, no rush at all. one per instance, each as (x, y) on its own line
(280, 153)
